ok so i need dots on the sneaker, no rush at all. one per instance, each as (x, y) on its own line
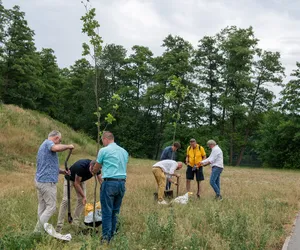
(58, 229)
(219, 197)
(163, 202)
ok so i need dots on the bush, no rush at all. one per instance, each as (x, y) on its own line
(13, 241)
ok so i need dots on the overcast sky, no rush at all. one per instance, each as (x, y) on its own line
(57, 23)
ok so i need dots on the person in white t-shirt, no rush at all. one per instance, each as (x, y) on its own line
(216, 161)
(161, 170)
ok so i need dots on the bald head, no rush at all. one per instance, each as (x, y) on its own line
(179, 165)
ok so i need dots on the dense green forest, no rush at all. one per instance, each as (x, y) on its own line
(229, 98)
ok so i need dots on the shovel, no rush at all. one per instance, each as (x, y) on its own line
(177, 188)
(70, 219)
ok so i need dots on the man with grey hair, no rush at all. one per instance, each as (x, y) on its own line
(46, 176)
(216, 161)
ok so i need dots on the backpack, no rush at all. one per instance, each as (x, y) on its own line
(189, 148)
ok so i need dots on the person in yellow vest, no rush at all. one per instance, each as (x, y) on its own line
(194, 155)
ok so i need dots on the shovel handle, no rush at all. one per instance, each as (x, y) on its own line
(70, 219)
(177, 190)
(66, 161)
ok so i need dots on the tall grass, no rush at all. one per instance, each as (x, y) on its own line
(258, 209)
(257, 212)
(22, 131)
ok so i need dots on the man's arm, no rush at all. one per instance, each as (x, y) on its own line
(163, 155)
(170, 178)
(99, 178)
(65, 172)
(61, 147)
(78, 188)
(187, 160)
(199, 164)
(96, 168)
(209, 160)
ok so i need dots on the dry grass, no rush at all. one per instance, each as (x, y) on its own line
(258, 209)
(256, 213)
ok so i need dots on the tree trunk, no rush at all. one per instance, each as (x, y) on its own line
(223, 115)
(210, 108)
(138, 95)
(232, 141)
(243, 147)
(210, 99)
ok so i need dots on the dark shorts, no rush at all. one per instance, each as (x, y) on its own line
(190, 174)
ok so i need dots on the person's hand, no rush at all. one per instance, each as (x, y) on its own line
(65, 172)
(175, 183)
(199, 165)
(84, 200)
(178, 175)
(71, 146)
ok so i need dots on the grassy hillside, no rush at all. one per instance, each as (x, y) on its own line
(21, 131)
(258, 209)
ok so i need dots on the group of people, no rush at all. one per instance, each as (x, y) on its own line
(110, 170)
(195, 160)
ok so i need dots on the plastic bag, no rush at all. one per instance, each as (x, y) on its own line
(182, 199)
(50, 230)
(88, 212)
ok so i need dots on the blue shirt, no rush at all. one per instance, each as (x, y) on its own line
(47, 163)
(114, 161)
(168, 154)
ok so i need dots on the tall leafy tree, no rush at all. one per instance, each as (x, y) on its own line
(138, 72)
(238, 48)
(175, 61)
(51, 79)
(208, 65)
(276, 139)
(22, 69)
(290, 100)
(136, 76)
(3, 26)
(111, 63)
(267, 69)
(76, 95)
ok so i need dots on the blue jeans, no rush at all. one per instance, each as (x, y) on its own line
(215, 179)
(111, 195)
(168, 185)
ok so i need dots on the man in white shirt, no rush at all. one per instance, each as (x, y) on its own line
(161, 170)
(216, 161)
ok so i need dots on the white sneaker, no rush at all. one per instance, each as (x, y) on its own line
(163, 202)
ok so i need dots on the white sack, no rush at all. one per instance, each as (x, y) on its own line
(182, 199)
(89, 217)
(50, 230)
